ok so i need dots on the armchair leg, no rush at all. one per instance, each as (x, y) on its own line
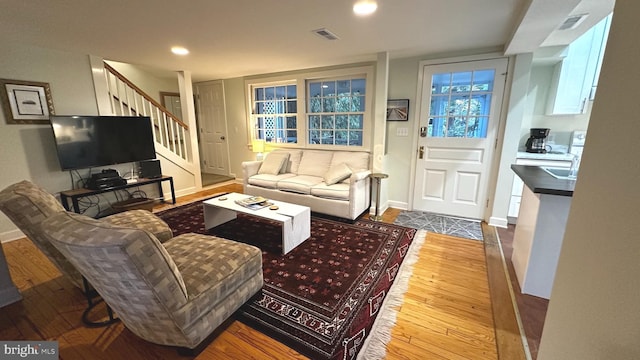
(90, 294)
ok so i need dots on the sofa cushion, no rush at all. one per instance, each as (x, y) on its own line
(213, 270)
(293, 162)
(141, 219)
(338, 191)
(300, 184)
(268, 180)
(337, 173)
(274, 163)
(315, 163)
(356, 160)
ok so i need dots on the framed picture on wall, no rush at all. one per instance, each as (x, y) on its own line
(398, 110)
(26, 102)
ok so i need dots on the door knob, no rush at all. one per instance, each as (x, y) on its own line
(222, 137)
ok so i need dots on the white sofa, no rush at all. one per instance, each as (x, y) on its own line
(329, 182)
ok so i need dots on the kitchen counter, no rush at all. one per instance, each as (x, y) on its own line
(545, 156)
(540, 228)
(541, 182)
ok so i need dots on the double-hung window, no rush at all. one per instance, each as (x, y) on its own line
(336, 110)
(317, 109)
(274, 113)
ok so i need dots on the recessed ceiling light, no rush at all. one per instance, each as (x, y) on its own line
(179, 50)
(364, 7)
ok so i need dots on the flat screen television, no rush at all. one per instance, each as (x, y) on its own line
(94, 141)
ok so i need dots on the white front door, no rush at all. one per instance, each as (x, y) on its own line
(459, 114)
(214, 152)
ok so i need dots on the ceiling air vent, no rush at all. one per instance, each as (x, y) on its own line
(572, 22)
(325, 34)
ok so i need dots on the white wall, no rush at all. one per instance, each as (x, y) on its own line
(403, 84)
(28, 151)
(152, 85)
(535, 117)
(594, 310)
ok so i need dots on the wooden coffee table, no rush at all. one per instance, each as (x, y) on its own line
(295, 219)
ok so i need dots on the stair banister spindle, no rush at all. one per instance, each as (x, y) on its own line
(179, 141)
(137, 96)
(165, 126)
(128, 90)
(107, 79)
(172, 136)
(183, 143)
(119, 96)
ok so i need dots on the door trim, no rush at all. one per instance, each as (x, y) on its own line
(495, 158)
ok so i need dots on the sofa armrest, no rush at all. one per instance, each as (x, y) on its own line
(360, 175)
(359, 189)
(249, 168)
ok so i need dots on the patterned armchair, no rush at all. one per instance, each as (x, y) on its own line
(27, 205)
(176, 293)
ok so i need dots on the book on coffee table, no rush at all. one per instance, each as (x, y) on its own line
(254, 202)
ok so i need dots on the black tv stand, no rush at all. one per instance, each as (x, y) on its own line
(77, 194)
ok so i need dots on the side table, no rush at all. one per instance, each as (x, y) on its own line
(378, 179)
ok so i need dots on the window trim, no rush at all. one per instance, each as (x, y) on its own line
(300, 79)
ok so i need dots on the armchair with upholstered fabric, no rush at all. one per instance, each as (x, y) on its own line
(27, 205)
(176, 293)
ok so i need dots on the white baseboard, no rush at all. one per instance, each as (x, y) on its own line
(179, 193)
(11, 235)
(498, 222)
(399, 205)
(382, 209)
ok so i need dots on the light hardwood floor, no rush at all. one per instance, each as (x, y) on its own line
(446, 313)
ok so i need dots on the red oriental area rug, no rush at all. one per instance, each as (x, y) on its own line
(323, 297)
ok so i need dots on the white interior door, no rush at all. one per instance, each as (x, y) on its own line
(459, 113)
(214, 152)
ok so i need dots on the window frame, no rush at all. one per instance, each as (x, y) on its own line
(253, 115)
(301, 80)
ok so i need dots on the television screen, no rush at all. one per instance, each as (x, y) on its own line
(92, 141)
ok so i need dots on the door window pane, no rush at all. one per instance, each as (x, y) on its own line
(456, 127)
(460, 104)
(441, 83)
(483, 80)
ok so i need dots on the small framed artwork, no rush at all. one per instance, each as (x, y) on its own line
(26, 102)
(398, 110)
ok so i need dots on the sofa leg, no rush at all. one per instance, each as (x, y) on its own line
(183, 351)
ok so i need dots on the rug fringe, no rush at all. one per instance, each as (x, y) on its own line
(375, 345)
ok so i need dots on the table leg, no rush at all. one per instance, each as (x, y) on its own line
(214, 216)
(173, 192)
(377, 216)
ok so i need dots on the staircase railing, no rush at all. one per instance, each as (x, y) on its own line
(128, 100)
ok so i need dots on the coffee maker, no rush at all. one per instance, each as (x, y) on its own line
(537, 141)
